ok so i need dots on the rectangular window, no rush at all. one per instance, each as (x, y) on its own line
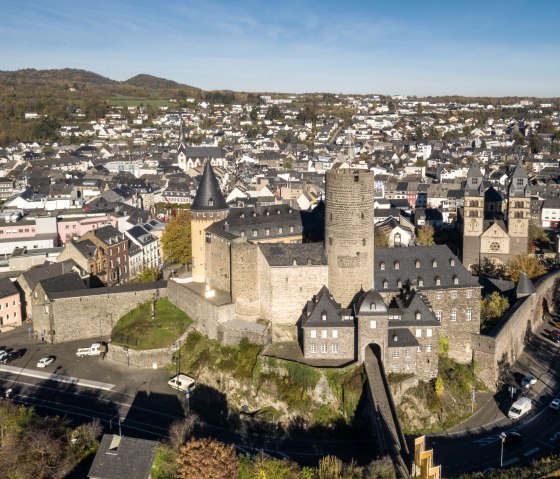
(439, 296)
(324, 333)
(324, 348)
(468, 294)
(428, 348)
(313, 348)
(438, 316)
(407, 353)
(453, 294)
(313, 333)
(335, 348)
(429, 332)
(418, 333)
(335, 333)
(468, 314)
(395, 353)
(373, 324)
(453, 315)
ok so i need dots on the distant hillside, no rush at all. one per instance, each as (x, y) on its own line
(32, 77)
(152, 82)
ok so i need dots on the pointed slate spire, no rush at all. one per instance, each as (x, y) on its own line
(519, 171)
(209, 196)
(525, 286)
(474, 179)
(518, 181)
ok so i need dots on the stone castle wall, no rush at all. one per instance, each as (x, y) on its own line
(92, 315)
(218, 263)
(494, 354)
(245, 285)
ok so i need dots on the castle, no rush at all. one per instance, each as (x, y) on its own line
(495, 229)
(338, 295)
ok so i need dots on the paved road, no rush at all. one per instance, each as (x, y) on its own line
(90, 387)
(475, 445)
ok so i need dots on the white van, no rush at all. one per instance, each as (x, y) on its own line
(182, 382)
(520, 408)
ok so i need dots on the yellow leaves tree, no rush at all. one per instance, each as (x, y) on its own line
(425, 236)
(525, 262)
(381, 237)
(207, 458)
(176, 238)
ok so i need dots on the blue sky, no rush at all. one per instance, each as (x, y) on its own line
(415, 47)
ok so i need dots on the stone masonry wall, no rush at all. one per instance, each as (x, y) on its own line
(148, 359)
(89, 316)
(206, 315)
(245, 278)
(494, 354)
(284, 292)
(218, 263)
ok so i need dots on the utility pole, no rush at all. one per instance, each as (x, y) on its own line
(502, 440)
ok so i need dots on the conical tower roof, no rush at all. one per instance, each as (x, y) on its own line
(209, 196)
(525, 286)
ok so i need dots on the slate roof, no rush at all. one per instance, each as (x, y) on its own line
(525, 286)
(7, 288)
(121, 456)
(209, 196)
(284, 254)
(47, 270)
(65, 282)
(401, 338)
(86, 247)
(370, 303)
(109, 234)
(447, 267)
(322, 304)
(407, 308)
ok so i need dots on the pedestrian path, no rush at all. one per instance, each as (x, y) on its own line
(61, 378)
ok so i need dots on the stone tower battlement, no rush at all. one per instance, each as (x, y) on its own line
(349, 214)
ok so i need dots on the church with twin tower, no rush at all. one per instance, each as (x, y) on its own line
(334, 294)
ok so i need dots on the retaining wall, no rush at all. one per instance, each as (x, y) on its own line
(494, 354)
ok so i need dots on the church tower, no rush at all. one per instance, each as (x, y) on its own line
(209, 206)
(182, 148)
(519, 211)
(473, 215)
(349, 219)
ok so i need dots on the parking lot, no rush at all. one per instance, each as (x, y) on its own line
(95, 368)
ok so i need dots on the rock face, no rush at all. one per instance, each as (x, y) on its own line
(322, 394)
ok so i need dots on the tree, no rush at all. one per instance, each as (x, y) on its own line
(425, 236)
(207, 458)
(525, 262)
(380, 237)
(148, 275)
(176, 238)
(493, 306)
(538, 235)
(254, 115)
(273, 113)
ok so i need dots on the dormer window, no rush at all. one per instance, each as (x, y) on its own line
(417, 263)
(372, 306)
(382, 266)
(399, 284)
(255, 233)
(323, 316)
(455, 280)
(210, 201)
(397, 265)
(267, 213)
(242, 233)
(451, 262)
(438, 281)
(420, 282)
(385, 284)
(267, 231)
(418, 316)
(280, 230)
(434, 263)
(277, 212)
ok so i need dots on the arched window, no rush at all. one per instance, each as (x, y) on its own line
(399, 283)
(420, 282)
(434, 263)
(382, 266)
(451, 262)
(417, 263)
(397, 239)
(385, 284)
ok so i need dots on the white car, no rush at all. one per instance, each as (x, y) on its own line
(3, 352)
(528, 381)
(555, 404)
(44, 362)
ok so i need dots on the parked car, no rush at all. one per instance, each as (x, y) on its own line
(555, 336)
(11, 356)
(555, 404)
(520, 408)
(4, 353)
(182, 382)
(44, 362)
(528, 381)
(512, 437)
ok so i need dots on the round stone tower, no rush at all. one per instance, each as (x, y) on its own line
(349, 219)
(207, 207)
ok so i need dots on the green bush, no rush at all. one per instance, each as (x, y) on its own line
(165, 464)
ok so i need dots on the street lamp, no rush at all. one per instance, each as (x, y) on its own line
(503, 436)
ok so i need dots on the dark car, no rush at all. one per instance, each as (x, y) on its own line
(11, 356)
(555, 336)
(512, 437)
